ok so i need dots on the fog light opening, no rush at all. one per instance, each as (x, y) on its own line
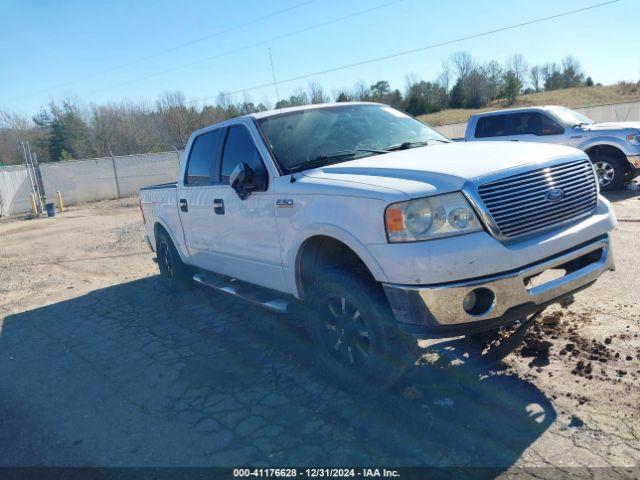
(478, 301)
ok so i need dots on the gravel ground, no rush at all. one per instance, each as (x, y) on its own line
(101, 365)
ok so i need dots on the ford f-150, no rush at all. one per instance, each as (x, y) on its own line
(383, 228)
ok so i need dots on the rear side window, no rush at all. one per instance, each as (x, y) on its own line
(202, 158)
(238, 148)
(495, 126)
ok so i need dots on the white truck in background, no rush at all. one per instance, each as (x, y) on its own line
(613, 147)
(383, 228)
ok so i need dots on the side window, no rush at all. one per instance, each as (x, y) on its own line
(533, 123)
(526, 123)
(550, 126)
(238, 148)
(202, 158)
(494, 126)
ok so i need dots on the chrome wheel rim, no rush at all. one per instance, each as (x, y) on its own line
(605, 172)
(165, 260)
(345, 332)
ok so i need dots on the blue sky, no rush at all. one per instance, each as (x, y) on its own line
(110, 51)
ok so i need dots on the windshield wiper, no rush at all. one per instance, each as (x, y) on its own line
(414, 144)
(328, 158)
(346, 153)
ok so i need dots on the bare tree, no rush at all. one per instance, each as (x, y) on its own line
(493, 72)
(445, 77)
(316, 93)
(361, 91)
(15, 128)
(518, 66)
(178, 119)
(552, 76)
(463, 63)
(410, 80)
(572, 72)
(535, 76)
(342, 95)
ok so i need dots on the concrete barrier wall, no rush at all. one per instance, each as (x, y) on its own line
(87, 180)
(620, 112)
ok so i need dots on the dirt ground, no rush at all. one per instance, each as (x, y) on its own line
(101, 365)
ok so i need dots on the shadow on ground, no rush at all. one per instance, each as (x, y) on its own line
(621, 195)
(135, 375)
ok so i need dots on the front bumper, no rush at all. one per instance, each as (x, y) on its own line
(438, 310)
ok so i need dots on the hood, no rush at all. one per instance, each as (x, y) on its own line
(613, 126)
(441, 168)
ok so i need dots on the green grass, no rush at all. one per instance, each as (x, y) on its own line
(569, 97)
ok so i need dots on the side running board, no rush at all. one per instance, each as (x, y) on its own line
(269, 299)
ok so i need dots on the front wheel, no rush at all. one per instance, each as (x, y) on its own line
(354, 332)
(610, 171)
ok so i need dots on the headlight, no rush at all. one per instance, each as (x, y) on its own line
(433, 217)
(634, 139)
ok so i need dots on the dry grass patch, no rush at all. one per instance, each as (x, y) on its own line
(570, 97)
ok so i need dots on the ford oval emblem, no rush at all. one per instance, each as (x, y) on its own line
(554, 195)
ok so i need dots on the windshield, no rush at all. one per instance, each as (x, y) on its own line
(301, 137)
(570, 117)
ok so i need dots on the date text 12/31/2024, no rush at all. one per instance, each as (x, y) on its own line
(316, 472)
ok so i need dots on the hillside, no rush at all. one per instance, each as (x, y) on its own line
(570, 97)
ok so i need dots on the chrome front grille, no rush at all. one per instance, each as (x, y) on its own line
(526, 202)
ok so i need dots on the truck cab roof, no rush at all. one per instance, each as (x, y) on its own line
(315, 106)
(516, 110)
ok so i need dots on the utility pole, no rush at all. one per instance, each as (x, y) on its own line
(273, 72)
(115, 174)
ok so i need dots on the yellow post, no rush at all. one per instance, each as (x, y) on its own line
(32, 201)
(60, 204)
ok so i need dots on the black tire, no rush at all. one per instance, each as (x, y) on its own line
(173, 270)
(355, 335)
(610, 170)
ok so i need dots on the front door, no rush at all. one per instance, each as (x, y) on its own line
(535, 127)
(248, 247)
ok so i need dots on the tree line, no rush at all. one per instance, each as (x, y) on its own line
(70, 129)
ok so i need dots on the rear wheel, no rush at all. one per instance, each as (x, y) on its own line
(354, 332)
(172, 269)
(610, 171)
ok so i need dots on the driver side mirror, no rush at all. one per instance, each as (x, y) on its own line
(244, 179)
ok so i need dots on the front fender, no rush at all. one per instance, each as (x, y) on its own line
(338, 233)
(608, 140)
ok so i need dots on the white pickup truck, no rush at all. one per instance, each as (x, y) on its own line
(387, 230)
(613, 147)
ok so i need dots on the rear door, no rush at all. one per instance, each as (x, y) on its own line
(195, 198)
(491, 127)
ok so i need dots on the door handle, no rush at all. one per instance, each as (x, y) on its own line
(514, 140)
(218, 206)
(184, 206)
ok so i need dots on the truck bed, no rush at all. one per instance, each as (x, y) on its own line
(160, 186)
